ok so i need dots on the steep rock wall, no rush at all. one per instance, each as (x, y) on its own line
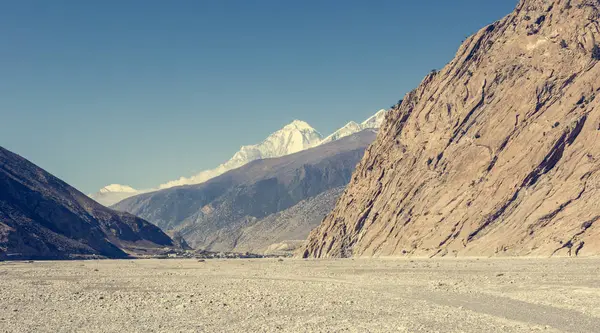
(496, 154)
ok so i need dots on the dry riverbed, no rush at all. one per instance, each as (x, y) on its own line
(269, 295)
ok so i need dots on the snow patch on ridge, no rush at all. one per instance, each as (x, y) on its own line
(374, 122)
(118, 188)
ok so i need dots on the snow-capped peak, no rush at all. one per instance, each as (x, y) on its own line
(352, 124)
(293, 137)
(352, 127)
(118, 188)
(299, 125)
(113, 193)
(374, 121)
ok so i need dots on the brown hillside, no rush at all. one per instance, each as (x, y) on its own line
(496, 154)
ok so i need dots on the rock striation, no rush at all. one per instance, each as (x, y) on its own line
(288, 227)
(496, 154)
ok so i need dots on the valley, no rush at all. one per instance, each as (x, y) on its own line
(268, 295)
(470, 205)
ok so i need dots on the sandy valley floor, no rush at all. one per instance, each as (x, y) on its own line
(267, 295)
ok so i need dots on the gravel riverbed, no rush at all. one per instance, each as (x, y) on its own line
(293, 295)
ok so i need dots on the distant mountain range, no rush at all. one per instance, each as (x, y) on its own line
(374, 122)
(42, 217)
(111, 194)
(264, 202)
(292, 138)
(283, 231)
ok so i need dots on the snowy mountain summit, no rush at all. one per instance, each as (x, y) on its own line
(292, 138)
(118, 188)
(113, 193)
(374, 122)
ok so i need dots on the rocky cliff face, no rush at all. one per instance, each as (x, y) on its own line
(215, 215)
(496, 154)
(41, 217)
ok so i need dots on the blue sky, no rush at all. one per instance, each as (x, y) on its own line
(142, 92)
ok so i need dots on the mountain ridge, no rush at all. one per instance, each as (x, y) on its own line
(496, 154)
(293, 137)
(211, 215)
(42, 217)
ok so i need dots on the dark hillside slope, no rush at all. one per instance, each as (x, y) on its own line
(42, 217)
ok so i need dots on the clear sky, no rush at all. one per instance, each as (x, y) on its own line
(140, 92)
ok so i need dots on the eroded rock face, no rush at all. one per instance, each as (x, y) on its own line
(496, 154)
(279, 232)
